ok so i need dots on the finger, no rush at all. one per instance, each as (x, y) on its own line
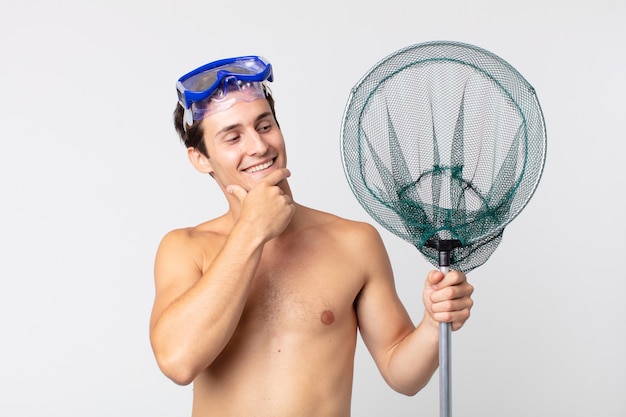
(277, 176)
(451, 278)
(237, 191)
(455, 277)
(451, 292)
(456, 318)
(452, 305)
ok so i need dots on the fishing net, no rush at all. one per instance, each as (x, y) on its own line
(443, 144)
(444, 141)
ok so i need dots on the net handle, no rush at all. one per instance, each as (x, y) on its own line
(444, 247)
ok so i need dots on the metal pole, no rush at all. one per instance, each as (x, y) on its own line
(444, 247)
(445, 372)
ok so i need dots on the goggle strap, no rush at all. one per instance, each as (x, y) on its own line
(187, 119)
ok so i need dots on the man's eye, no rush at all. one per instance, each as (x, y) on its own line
(231, 138)
(265, 127)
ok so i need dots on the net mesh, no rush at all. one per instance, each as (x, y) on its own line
(444, 140)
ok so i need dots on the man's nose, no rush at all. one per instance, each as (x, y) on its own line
(256, 144)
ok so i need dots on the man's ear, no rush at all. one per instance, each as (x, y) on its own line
(199, 161)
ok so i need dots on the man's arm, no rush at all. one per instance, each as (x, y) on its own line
(196, 312)
(407, 356)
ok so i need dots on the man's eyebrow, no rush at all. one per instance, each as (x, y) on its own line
(227, 129)
(236, 125)
(263, 116)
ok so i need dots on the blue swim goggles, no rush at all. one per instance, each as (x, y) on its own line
(204, 90)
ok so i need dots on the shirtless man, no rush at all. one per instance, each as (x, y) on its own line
(260, 307)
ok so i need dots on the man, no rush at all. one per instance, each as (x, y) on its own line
(260, 307)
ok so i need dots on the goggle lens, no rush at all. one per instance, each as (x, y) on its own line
(202, 82)
(205, 80)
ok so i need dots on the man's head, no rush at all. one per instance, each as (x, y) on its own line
(215, 87)
(226, 118)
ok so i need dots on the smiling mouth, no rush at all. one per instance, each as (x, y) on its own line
(260, 167)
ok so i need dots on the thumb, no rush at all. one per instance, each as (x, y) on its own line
(434, 277)
(237, 191)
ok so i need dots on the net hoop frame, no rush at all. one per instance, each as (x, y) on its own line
(352, 124)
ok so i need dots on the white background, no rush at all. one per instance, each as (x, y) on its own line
(92, 176)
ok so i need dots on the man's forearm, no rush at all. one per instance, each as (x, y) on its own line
(414, 360)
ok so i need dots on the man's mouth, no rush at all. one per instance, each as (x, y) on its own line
(260, 167)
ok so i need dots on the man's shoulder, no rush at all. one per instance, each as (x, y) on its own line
(211, 228)
(202, 235)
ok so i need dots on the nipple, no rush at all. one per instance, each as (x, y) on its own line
(327, 317)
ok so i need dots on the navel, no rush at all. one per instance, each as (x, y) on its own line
(327, 317)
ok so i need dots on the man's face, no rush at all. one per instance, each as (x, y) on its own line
(244, 143)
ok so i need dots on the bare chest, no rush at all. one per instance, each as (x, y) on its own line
(299, 290)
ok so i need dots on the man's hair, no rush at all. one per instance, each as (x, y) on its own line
(193, 137)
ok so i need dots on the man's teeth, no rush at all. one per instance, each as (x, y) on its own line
(260, 167)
